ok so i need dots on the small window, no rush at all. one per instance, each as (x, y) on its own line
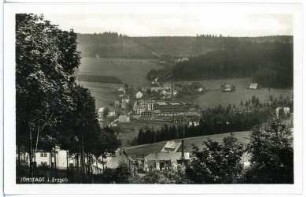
(43, 154)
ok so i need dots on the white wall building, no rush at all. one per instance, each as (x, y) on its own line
(139, 95)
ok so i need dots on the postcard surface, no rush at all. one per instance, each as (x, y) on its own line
(153, 98)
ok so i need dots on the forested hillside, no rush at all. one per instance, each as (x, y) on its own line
(270, 64)
(110, 44)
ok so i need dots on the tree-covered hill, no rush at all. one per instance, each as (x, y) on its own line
(110, 44)
(270, 64)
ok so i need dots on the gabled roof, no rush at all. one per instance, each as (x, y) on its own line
(166, 156)
(171, 146)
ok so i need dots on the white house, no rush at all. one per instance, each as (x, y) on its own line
(253, 86)
(164, 160)
(282, 110)
(100, 113)
(121, 89)
(111, 114)
(124, 119)
(58, 158)
(171, 146)
(139, 95)
(228, 88)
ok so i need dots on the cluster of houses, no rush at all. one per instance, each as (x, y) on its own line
(231, 88)
(177, 112)
(60, 159)
(140, 106)
(171, 156)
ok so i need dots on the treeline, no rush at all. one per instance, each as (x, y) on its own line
(51, 108)
(217, 120)
(270, 64)
(111, 44)
(102, 79)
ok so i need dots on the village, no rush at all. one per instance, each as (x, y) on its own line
(157, 104)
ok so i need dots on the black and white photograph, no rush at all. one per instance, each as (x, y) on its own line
(189, 94)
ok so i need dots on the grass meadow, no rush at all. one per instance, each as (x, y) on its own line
(130, 71)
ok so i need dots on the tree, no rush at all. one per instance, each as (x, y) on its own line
(51, 108)
(121, 174)
(271, 152)
(43, 82)
(216, 163)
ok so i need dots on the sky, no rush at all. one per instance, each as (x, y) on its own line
(173, 20)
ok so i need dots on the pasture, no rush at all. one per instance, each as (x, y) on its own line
(129, 71)
(128, 131)
(104, 93)
(214, 97)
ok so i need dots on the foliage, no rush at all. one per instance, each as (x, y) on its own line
(268, 63)
(161, 177)
(271, 151)
(216, 163)
(121, 174)
(51, 108)
(45, 59)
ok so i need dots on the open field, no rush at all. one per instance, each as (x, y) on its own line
(102, 79)
(104, 93)
(243, 137)
(130, 130)
(130, 71)
(214, 97)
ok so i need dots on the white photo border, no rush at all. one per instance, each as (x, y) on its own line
(10, 185)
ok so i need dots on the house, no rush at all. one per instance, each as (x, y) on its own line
(253, 86)
(228, 88)
(117, 104)
(171, 156)
(282, 111)
(169, 108)
(145, 89)
(200, 90)
(139, 95)
(155, 82)
(165, 160)
(157, 88)
(183, 59)
(120, 157)
(56, 158)
(124, 119)
(193, 123)
(121, 89)
(100, 113)
(171, 146)
(126, 100)
(141, 106)
(167, 86)
(111, 114)
(168, 93)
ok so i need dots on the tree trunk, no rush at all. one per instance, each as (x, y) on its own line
(30, 154)
(18, 160)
